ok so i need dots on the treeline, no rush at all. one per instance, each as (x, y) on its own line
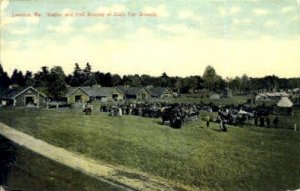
(54, 81)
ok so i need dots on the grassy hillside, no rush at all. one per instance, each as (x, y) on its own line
(241, 159)
(34, 172)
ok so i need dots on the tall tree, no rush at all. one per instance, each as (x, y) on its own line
(210, 77)
(41, 77)
(56, 85)
(165, 80)
(88, 76)
(4, 79)
(116, 80)
(29, 81)
(107, 81)
(18, 78)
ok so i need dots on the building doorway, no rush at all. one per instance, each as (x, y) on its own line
(115, 97)
(29, 100)
(78, 98)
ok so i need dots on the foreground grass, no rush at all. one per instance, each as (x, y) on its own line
(241, 159)
(31, 171)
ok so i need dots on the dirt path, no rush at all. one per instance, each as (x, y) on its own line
(116, 175)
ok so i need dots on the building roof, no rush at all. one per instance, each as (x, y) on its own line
(157, 91)
(11, 93)
(93, 91)
(130, 91)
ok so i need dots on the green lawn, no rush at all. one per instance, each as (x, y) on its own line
(241, 159)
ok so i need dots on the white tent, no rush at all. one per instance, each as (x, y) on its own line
(285, 102)
(215, 96)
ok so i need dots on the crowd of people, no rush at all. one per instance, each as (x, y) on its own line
(176, 115)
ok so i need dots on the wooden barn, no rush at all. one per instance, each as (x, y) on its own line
(160, 92)
(137, 93)
(87, 93)
(23, 96)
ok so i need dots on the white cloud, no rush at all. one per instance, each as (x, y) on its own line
(10, 44)
(243, 21)
(229, 11)
(287, 9)
(179, 29)
(187, 14)
(160, 10)
(4, 4)
(32, 20)
(111, 9)
(20, 31)
(8, 20)
(271, 23)
(234, 10)
(97, 28)
(65, 26)
(295, 18)
(260, 12)
(250, 33)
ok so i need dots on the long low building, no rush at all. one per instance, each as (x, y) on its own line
(104, 94)
(87, 93)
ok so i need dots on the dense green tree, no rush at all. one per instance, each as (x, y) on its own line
(116, 80)
(165, 80)
(212, 81)
(29, 81)
(18, 78)
(107, 80)
(147, 80)
(41, 77)
(4, 79)
(56, 85)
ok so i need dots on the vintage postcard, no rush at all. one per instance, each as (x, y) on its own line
(149, 95)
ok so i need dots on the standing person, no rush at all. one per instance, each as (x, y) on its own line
(268, 121)
(224, 128)
(262, 121)
(255, 121)
(120, 111)
(275, 122)
(207, 121)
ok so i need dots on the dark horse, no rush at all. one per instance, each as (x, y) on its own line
(87, 111)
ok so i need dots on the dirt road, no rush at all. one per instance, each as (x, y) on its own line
(119, 176)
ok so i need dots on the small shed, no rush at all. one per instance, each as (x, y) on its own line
(23, 96)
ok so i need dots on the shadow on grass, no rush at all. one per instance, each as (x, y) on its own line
(21, 169)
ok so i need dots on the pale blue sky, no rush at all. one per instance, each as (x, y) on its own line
(235, 36)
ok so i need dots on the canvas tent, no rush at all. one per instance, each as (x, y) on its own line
(285, 102)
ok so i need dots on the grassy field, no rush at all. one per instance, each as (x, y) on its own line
(34, 172)
(241, 159)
